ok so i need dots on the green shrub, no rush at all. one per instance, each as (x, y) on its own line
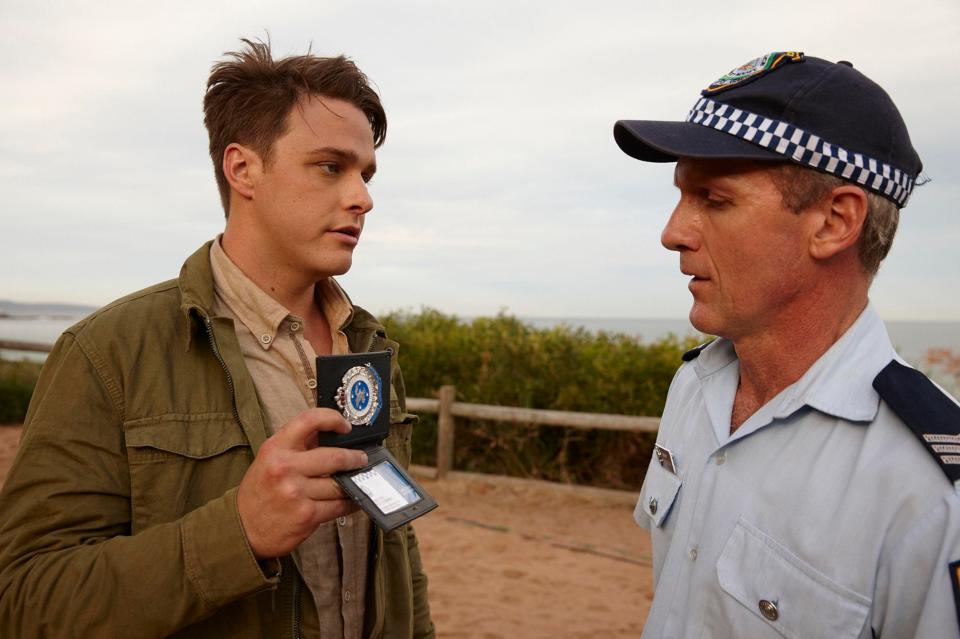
(17, 379)
(501, 360)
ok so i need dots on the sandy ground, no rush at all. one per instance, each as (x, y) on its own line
(521, 561)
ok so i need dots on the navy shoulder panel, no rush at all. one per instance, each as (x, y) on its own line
(930, 414)
(694, 353)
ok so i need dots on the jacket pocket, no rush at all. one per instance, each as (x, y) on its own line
(787, 594)
(180, 462)
(660, 489)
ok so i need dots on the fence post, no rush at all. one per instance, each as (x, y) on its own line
(445, 431)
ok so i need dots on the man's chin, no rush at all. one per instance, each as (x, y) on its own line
(701, 319)
(334, 268)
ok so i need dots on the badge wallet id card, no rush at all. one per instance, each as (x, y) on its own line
(358, 387)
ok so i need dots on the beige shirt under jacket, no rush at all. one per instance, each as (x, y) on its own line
(333, 561)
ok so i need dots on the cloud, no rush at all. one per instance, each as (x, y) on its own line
(499, 185)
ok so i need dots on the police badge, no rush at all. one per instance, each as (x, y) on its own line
(753, 69)
(359, 395)
(357, 386)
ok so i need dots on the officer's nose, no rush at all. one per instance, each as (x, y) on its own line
(680, 232)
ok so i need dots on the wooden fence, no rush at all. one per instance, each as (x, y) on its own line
(30, 347)
(447, 409)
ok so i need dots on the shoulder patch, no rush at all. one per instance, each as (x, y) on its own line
(955, 580)
(930, 414)
(694, 353)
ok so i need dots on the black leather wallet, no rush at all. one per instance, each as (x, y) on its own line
(358, 386)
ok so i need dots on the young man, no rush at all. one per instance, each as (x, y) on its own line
(167, 481)
(804, 478)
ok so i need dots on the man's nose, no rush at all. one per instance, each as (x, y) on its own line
(358, 197)
(680, 232)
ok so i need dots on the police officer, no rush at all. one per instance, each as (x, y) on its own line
(804, 480)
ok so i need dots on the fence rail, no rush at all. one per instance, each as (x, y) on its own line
(447, 409)
(31, 347)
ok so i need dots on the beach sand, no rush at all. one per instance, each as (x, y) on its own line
(524, 561)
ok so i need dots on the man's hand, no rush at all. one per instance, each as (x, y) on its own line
(287, 492)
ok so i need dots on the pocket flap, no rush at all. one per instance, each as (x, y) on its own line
(799, 600)
(660, 490)
(188, 436)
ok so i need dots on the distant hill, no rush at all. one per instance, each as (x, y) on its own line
(17, 309)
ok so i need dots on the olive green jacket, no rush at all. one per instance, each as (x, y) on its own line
(119, 516)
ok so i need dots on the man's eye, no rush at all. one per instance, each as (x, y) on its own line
(330, 168)
(714, 201)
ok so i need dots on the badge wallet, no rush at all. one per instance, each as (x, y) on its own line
(358, 387)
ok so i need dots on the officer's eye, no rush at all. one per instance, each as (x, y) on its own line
(712, 200)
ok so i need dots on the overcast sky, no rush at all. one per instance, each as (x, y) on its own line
(499, 186)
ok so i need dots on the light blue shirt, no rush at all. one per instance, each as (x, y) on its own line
(821, 516)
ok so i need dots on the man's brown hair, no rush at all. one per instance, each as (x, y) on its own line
(250, 95)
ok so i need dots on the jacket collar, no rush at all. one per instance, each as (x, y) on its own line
(196, 290)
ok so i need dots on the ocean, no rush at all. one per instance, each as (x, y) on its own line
(912, 339)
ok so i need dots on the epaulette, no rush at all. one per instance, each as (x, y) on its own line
(694, 353)
(928, 411)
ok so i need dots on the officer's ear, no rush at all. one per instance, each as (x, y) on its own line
(242, 167)
(838, 221)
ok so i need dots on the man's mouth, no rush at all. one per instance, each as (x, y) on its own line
(348, 234)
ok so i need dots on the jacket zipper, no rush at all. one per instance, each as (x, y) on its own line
(236, 416)
(378, 587)
(223, 364)
(296, 607)
(373, 341)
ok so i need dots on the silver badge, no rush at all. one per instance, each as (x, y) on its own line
(665, 457)
(359, 395)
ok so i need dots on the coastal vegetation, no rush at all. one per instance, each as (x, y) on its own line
(17, 379)
(504, 360)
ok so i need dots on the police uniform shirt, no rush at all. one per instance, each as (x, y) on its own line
(822, 515)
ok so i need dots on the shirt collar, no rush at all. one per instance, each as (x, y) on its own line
(335, 304)
(839, 383)
(260, 313)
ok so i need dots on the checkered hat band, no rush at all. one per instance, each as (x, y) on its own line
(804, 148)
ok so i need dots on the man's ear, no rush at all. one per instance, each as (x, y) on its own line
(839, 221)
(242, 167)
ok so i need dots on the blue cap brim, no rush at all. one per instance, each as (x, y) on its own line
(653, 141)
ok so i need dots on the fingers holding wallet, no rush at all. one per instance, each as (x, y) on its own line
(286, 494)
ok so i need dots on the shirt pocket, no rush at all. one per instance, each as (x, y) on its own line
(784, 592)
(660, 489)
(180, 462)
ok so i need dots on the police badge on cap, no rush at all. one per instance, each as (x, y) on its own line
(359, 395)
(753, 70)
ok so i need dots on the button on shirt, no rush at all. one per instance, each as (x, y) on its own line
(821, 516)
(282, 363)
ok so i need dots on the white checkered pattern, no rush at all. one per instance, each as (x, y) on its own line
(804, 148)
